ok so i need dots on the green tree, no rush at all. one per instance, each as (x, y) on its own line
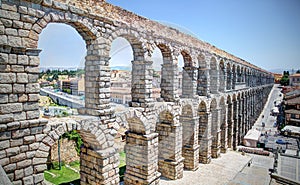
(285, 78)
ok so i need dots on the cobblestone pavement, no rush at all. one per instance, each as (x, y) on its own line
(219, 172)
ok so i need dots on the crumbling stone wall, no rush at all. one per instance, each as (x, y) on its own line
(154, 129)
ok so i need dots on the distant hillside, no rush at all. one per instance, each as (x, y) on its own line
(280, 71)
(124, 68)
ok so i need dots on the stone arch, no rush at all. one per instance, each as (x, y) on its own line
(169, 84)
(222, 76)
(204, 133)
(190, 127)
(224, 125)
(83, 26)
(135, 40)
(202, 85)
(97, 151)
(141, 88)
(189, 76)
(213, 74)
(169, 145)
(215, 128)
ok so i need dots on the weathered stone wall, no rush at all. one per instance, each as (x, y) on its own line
(160, 135)
(68, 152)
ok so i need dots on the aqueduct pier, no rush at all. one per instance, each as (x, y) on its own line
(222, 96)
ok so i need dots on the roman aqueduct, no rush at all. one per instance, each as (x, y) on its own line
(222, 96)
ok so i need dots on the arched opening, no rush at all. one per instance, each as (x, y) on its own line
(215, 129)
(204, 134)
(189, 77)
(62, 80)
(223, 119)
(94, 155)
(169, 84)
(213, 73)
(190, 147)
(202, 76)
(62, 63)
(180, 73)
(157, 80)
(121, 55)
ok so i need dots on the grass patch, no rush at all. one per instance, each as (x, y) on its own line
(122, 159)
(62, 176)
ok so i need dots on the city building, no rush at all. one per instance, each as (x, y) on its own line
(295, 79)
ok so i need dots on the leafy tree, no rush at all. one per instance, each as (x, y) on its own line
(298, 71)
(73, 135)
(285, 78)
(55, 76)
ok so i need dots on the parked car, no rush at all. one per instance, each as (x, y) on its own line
(281, 141)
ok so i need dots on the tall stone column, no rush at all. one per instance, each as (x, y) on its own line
(141, 84)
(205, 139)
(224, 129)
(97, 85)
(222, 80)
(189, 85)
(141, 159)
(234, 78)
(235, 125)
(190, 146)
(169, 82)
(229, 80)
(98, 167)
(203, 82)
(240, 123)
(170, 160)
(230, 124)
(216, 134)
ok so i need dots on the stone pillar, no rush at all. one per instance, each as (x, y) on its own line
(141, 84)
(229, 80)
(214, 81)
(240, 118)
(97, 85)
(190, 146)
(189, 85)
(235, 125)
(141, 159)
(205, 139)
(230, 124)
(224, 129)
(233, 79)
(170, 160)
(169, 82)
(203, 82)
(21, 129)
(222, 80)
(99, 167)
(216, 133)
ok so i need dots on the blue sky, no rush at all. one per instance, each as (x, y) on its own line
(263, 32)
